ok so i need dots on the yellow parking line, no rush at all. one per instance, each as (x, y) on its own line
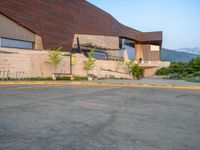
(97, 84)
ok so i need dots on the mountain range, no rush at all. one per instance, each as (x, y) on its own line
(179, 55)
(195, 50)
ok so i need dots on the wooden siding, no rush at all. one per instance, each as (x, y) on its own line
(56, 21)
(11, 29)
(149, 55)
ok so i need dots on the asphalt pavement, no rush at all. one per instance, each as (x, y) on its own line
(82, 117)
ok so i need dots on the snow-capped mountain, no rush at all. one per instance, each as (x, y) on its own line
(195, 50)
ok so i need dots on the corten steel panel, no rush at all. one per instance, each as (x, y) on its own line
(150, 55)
(56, 21)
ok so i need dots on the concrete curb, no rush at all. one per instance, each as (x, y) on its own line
(97, 84)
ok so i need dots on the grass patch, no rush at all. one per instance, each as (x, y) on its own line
(113, 78)
(195, 79)
(77, 78)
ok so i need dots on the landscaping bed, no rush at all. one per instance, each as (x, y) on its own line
(182, 71)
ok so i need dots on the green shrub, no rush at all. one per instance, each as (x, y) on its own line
(6, 79)
(63, 78)
(197, 73)
(178, 68)
(186, 71)
(163, 71)
(136, 71)
(37, 79)
(77, 78)
(194, 64)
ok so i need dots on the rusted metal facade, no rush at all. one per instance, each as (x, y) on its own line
(56, 21)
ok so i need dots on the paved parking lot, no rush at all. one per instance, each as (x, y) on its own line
(42, 117)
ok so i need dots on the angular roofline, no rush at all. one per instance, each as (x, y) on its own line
(70, 17)
(158, 33)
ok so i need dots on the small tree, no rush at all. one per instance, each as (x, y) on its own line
(90, 63)
(164, 72)
(178, 69)
(135, 70)
(194, 64)
(55, 57)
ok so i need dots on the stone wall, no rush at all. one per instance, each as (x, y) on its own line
(103, 68)
(30, 63)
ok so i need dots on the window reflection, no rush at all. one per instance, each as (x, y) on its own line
(99, 55)
(13, 43)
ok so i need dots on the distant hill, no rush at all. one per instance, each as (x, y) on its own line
(195, 50)
(175, 56)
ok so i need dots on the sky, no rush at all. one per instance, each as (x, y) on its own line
(178, 19)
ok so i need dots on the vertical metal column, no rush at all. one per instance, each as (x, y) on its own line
(71, 62)
(78, 45)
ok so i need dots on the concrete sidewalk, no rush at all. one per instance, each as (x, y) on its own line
(154, 81)
(148, 83)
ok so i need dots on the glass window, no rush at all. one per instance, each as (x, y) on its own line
(129, 45)
(99, 55)
(6, 42)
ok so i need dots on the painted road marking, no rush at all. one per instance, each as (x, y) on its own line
(98, 84)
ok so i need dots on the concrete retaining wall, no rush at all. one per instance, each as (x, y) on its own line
(103, 68)
(28, 63)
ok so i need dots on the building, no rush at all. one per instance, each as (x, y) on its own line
(45, 24)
